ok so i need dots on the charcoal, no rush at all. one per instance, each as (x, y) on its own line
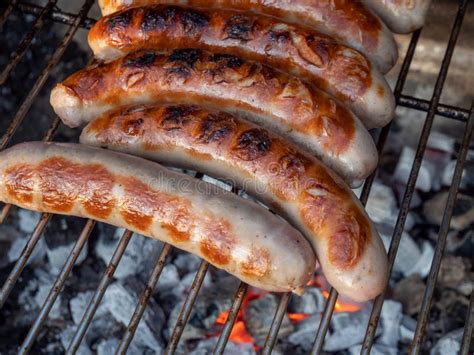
(463, 213)
(27, 220)
(12, 243)
(45, 283)
(107, 346)
(346, 330)
(259, 316)
(381, 205)
(448, 344)
(453, 271)
(305, 334)
(169, 279)
(78, 305)
(66, 336)
(467, 179)
(407, 329)
(182, 288)
(409, 292)
(310, 302)
(138, 258)
(207, 347)
(461, 243)
(390, 319)
(377, 349)
(186, 263)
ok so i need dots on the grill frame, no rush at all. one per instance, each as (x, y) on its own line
(432, 108)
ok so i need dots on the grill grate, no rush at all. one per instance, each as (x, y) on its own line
(432, 108)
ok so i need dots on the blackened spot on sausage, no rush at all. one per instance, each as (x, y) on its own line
(215, 127)
(175, 117)
(279, 36)
(231, 61)
(144, 60)
(187, 55)
(253, 144)
(293, 162)
(239, 27)
(170, 12)
(120, 20)
(152, 20)
(193, 20)
(133, 127)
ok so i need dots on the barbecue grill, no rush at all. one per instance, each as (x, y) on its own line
(433, 107)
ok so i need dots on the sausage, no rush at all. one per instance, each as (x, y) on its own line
(296, 185)
(335, 68)
(229, 232)
(277, 101)
(401, 16)
(348, 21)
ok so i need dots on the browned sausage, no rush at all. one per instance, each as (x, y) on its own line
(335, 68)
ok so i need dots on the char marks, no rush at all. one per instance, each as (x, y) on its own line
(257, 263)
(239, 27)
(143, 60)
(215, 127)
(19, 182)
(217, 241)
(119, 21)
(252, 144)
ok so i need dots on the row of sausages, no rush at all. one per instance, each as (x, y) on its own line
(273, 96)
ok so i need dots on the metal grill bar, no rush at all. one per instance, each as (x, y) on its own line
(405, 205)
(143, 300)
(187, 308)
(57, 287)
(441, 240)
(448, 111)
(18, 53)
(99, 294)
(469, 328)
(6, 13)
(332, 299)
(231, 317)
(58, 53)
(276, 323)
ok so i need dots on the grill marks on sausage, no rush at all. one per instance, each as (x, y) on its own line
(252, 144)
(193, 20)
(144, 60)
(119, 21)
(217, 242)
(257, 263)
(19, 182)
(239, 27)
(215, 127)
(189, 56)
(161, 17)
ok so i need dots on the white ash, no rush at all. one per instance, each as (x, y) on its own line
(107, 346)
(407, 329)
(138, 258)
(448, 344)
(79, 303)
(13, 242)
(169, 279)
(57, 256)
(467, 178)
(182, 288)
(390, 320)
(442, 142)
(45, 283)
(305, 332)
(186, 262)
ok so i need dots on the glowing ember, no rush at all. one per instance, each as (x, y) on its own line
(298, 317)
(343, 306)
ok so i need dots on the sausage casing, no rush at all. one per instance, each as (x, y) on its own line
(293, 183)
(348, 21)
(401, 16)
(282, 103)
(231, 233)
(333, 67)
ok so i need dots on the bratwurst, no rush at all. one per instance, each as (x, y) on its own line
(348, 21)
(231, 233)
(333, 67)
(277, 101)
(401, 16)
(295, 184)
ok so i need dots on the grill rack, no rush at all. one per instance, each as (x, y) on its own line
(432, 108)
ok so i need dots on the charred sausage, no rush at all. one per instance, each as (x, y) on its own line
(277, 101)
(231, 233)
(348, 21)
(403, 16)
(335, 68)
(293, 183)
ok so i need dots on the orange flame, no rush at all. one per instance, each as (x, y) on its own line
(342, 306)
(298, 317)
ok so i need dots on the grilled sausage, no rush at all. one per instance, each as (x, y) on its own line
(401, 16)
(333, 67)
(280, 102)
(295, 184)
(348, 21)
(231, 233)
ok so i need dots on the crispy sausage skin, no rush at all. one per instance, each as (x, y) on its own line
(231, 233)
(335, 68)
(401, 16)
(277, 101)
(293, 183)
(348, 21)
